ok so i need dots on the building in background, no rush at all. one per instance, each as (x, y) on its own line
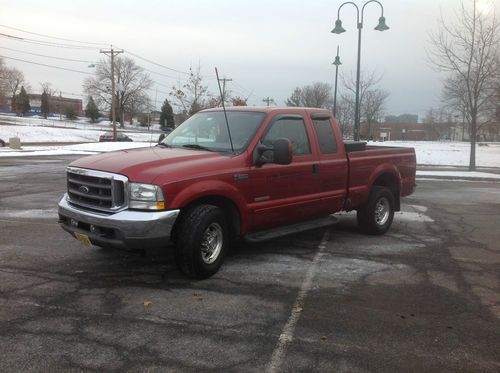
(57, 104)
(403, 118)
(428, 132)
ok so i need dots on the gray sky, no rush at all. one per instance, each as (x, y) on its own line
(267, 47)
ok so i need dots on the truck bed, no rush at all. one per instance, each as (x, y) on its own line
(365, 163)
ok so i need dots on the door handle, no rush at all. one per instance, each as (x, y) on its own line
(315, 169)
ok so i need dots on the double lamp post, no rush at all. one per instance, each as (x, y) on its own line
(339, 30)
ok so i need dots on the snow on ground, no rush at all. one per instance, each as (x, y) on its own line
(36, 129)
(54, 134)
(89, 148)
(52, 130)
(447, 153)
(458, 174)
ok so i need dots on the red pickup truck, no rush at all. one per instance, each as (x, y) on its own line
(211, 181)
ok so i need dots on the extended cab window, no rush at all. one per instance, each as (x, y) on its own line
(326, 137)
(293, 129)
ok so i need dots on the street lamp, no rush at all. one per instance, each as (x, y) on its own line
(337, 63)
(339, 30)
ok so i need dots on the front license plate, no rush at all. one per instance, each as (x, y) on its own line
(83, 239)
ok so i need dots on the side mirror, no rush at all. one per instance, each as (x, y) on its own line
(282, 153)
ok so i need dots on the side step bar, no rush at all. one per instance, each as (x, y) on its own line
(291, 229)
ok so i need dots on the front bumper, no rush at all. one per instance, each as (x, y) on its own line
(126, 229)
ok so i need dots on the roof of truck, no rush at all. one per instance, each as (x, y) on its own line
(269, 109)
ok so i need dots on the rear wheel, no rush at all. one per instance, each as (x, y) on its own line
(377, 215)
(202, 241)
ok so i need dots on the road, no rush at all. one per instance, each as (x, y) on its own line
(424, 297)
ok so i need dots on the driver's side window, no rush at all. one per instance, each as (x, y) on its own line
(293, 129)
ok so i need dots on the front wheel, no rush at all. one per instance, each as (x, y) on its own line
(202, 241)
(377, 215)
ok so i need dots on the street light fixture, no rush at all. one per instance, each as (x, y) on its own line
(337, 63)
(339, 30)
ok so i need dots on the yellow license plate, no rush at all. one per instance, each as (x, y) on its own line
(83, 239)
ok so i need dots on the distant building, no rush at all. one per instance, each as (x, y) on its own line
(407, 131)
(403, 118)
(57, 104)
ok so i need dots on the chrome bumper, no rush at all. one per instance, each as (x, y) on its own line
(125, 229)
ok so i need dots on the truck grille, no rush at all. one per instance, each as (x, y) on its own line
(96, 190)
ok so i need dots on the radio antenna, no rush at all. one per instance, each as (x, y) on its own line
(224, 108)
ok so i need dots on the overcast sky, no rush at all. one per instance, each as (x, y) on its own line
(267, 47)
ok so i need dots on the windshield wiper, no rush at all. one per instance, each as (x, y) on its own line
(196, 146)
(163, 145)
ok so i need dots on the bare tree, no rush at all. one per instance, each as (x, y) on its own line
(192, 96)
(371, 99)
(132, 86)
(238, 101)
(3, 88)
(47, 88)
(12, 81)
(317, 95)
(295, 99)
(467, 51)
(345, 114)
(373, 107)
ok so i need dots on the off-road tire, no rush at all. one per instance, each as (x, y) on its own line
(376, 216)
(191, 253)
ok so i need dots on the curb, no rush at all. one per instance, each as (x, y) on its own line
(458, 178)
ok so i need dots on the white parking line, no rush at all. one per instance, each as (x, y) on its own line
(286, 335)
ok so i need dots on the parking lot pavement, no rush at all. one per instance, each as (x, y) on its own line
(424, 297)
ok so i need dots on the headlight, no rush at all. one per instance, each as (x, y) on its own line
(145, 197)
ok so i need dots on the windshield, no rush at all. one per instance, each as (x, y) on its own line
(208, 131)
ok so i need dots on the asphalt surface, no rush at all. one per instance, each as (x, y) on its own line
(424, 297)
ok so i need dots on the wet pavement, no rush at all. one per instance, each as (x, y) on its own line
(424, 297)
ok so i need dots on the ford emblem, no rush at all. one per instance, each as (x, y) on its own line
(84, 189)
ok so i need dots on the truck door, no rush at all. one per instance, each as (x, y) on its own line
(283, 194)
(333, 168)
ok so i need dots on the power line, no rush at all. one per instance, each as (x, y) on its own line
(43, 55)
(42, 64)
(157, 64)
(51, 37)
(157, 73)
(156, 90)
(46, 43)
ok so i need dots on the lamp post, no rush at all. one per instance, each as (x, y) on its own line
(337, 63)
(339, 30)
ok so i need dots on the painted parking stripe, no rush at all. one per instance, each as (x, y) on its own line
(286, 335)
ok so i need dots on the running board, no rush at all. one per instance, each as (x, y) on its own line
(290, 229)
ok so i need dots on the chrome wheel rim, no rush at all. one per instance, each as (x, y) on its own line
(211, 243)
(382, 211)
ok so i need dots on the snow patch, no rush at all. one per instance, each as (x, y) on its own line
(26, 214)
(407, 216)
(419, 208)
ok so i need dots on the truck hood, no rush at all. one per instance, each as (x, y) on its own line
(145, 164)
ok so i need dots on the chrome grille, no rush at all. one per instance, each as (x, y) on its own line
(96, 190)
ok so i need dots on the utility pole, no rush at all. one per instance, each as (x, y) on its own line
(224, 80)
(268, 100)
(112, 52)
(60, 106)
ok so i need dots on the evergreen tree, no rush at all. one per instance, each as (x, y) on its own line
(91, 110)
(44, 107)
(167, 115)
(70, 113)
(22, 102)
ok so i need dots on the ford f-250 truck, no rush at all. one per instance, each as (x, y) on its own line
(211, 181)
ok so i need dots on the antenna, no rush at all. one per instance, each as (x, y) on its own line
(224, 108)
